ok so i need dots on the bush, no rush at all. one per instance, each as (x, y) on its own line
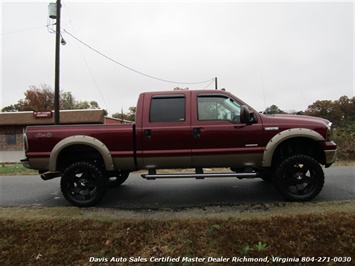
(345, 139)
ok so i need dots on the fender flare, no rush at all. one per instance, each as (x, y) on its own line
(284, 135)
(81, 140)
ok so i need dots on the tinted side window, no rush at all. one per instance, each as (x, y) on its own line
(167, 109)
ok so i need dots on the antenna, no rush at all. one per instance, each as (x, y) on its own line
(262, 83)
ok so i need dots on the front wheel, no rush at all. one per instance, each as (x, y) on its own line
(83, 184)
(299, 178)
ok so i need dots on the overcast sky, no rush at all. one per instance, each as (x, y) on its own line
(285, 53)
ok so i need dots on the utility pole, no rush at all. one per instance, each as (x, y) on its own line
(57, 66)
(215, 83)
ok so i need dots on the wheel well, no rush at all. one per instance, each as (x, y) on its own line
(294, 146)
(76, 153)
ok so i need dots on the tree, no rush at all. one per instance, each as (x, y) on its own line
(340, 112)
(345, 107)
(352, 110)
(36, 99)
(10, 108)
(273, 109)
(130, 115)
(42, 98)
(320, 108)
(67, 101)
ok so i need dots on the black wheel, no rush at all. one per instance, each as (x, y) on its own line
(83, 184)
(266, 175)
(299, 178)
(118, 179)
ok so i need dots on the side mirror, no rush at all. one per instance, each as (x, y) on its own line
(244, 115)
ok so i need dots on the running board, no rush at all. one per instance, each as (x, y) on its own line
(202, 175)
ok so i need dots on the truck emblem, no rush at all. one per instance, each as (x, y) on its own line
(43, 135)
(251, 145)
(271, 128)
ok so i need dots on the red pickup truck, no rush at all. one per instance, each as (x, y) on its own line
(194, 129)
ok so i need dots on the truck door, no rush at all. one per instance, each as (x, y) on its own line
(166, 130)
(219, 138)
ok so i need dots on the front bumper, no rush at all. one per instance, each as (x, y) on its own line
(330, 157)
(331, 152)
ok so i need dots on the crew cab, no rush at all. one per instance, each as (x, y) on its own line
(193, 129)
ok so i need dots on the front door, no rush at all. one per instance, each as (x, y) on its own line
(219, 138)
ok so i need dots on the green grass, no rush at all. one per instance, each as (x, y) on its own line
(16, 169)
(73, 240)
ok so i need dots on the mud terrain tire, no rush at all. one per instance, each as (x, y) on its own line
(299, 178)
(83, 184)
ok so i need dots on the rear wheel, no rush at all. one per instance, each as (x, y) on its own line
(83, 184)
(299, 178)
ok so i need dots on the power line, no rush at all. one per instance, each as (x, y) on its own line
(87, 64)
(136, 71)
(213, 80)
(22, 30)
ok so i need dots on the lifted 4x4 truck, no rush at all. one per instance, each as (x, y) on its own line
(185, 129)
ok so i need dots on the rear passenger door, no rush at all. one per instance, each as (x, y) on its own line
(166, 131)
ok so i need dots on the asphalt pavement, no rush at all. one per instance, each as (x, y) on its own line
(138, 193)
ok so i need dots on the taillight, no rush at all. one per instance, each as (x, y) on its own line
(25, 142)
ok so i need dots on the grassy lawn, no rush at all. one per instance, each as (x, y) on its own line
(73, 236)
(314, 232)
(16, 169)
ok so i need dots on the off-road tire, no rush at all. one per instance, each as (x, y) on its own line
(83, 184)
(299, 178)
(266, 175)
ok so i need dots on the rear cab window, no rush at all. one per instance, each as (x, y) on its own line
(168, 108)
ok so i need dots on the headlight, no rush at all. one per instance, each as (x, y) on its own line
(329, 134)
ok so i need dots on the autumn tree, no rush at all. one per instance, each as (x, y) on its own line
(340, 112)
(42, 98)
(346, 107)
(36, 99)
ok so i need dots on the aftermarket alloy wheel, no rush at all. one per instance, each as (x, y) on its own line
(299, 178)
(83, 184)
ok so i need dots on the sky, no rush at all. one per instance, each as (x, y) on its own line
(284, 53)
